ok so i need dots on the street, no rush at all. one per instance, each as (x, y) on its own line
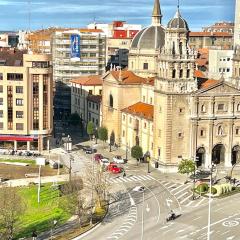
(142, 215)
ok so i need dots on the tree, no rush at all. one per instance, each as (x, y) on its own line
(73, 200)
(96, 135)
(11, 208)
(90, 129)
(112, 140)
(186, 166)
(103, 134)
(75, 119)
(137, 152)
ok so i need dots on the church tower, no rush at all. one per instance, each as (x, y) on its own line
(236, 56)
(173, 87)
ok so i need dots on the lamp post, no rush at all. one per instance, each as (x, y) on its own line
(127, 152)
(194, 176)
(212, 168)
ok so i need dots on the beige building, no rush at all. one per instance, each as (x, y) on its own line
(26, 92)
(174, 115)
(85, 100)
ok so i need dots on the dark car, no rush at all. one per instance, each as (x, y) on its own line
(90, 150)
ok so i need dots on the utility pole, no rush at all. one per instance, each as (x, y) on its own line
(195, 159)
(39, 183)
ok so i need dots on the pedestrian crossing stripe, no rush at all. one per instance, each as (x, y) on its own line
(130, 179)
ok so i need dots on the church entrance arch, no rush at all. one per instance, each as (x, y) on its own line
(218, 154)
(200, 156)
(235, 154)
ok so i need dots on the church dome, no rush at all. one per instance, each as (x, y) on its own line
(151, 37)
(178, 22)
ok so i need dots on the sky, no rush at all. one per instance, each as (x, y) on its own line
(14, 14)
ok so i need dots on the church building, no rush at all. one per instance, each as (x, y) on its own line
(159, 104)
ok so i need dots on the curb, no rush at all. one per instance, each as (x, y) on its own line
(88, 232)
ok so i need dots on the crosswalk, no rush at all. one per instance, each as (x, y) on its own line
(128, 179)
(183, 194)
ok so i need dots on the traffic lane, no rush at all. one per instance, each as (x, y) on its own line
(193, 225)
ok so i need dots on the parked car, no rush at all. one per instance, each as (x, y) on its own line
(114, 168)
(118, 159)
(90, 150)
(104, 162)
(97, 157)
(139, 189)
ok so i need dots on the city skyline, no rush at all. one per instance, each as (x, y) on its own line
(74, 14)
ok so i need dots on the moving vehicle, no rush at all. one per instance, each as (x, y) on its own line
(139, 189)
(114, 168)
(90, 150)
(104, 162)
(118, 159)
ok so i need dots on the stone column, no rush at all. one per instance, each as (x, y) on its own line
(212, 106)
(228, 153)
(208, 159)
(15, 145)
(28, 146)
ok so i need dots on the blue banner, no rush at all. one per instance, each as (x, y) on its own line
(75, 46)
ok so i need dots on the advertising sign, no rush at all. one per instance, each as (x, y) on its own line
(75, 46)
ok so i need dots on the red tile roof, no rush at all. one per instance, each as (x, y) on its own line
(208, 83)
(128, 78)
(140, 109)
(199, 74)
(90, 80)
(210, 34)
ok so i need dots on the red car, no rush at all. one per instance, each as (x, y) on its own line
(98, 157)
(114, 168)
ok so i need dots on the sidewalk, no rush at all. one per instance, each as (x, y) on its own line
(27, 181)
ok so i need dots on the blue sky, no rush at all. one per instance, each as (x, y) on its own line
(14, 14)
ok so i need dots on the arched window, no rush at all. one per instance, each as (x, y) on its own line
(111, 100)
(174, 73)
(173, 49)
(181, 73)
(238, 107)
(203, 108)
(220, 130)
(188, 73)
(180, 48)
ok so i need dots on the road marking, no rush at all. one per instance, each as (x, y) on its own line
(176, 188)
(131, 200)
(123, 179)
(230, 238)
(168, 183)
(183, 189)
(226, 232)
(231, 223)
(179, 231)
(200, 202)
(142, 178)
(196, 218)
(185, 199)
(182, 195)
(133, 179)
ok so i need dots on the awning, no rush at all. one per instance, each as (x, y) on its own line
(17, 138)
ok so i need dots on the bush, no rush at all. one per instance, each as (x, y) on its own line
(202, 188)
(214, 190)
(223, 188)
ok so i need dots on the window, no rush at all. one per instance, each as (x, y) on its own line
(1, 125)
(151, 100)
(19, 126)
(40, 64)
(19, 102)
(160, 109)
(145, 66)
(1, 76)
(144, 99)
(220, 107)
(152, 146)
(220, 131)
(159, 152)
(1, 113)
(100, 92)
(203, 108)
(1, 88)
(173, 73)
(89, 105)
(181, 110)
(111, 100)
(124, 117)
(96, 106)
(159, 133)
(130, 120)
(202, 133)
(180, 134)
(19, 89)
(145, 125)
(237, 130)
(188, 73)
(123, 133)
(180, 73)
(238, 107)
(97, 122)
(93, 55)
(90, 92)
(1, 101)
(15, 76)
(228, 69)
(19, 114)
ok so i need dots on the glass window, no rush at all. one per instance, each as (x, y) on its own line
(1, 88)
(15, 76)
(19, 89)
(145, 66)
(19, 114)
(220, 107)
(19, 102)
(1, 113)
(90, 92)
(1, 76)
(19, 126)
(1, 125)
(1, 101)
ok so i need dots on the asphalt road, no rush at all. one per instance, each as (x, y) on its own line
(141, 216)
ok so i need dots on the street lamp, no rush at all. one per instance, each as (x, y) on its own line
(194, 176)
(127, 152)
(212, 168)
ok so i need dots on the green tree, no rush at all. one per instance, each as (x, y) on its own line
(90, 129)
(103, 134)
(112, 140)
(137, 152)
(186, 166)
(74, 119)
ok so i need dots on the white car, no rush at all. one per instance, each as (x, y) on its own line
(118, 159)
(139, 189)
(104, 162)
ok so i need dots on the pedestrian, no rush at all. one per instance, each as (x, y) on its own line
(124, 174)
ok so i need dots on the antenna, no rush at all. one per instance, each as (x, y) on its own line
(29, 14)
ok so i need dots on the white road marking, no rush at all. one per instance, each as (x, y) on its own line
(183, 189)
(182, 195)
(179, 231)
(122, 179)
(200, 202)
(176, 188)
(230, 238)
(185, 199)
(168, 183)
(196, 218)
(225, 232)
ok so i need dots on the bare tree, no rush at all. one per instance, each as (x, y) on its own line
(11, 208)
(73, 201)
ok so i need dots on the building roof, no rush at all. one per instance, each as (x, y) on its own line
(141, 110)
(199, 74)
(210, 34)
(128, 78)
(207, 83)
(178, 22)
(90, 80)
(94, 98)
(11, 57)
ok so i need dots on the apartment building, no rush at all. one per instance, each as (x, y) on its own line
(26, 91)
(220, 27)
(91, 61)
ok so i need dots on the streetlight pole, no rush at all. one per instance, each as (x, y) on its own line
(91, 221)
(195, 159)
(209, 203)
(127, 151)
(143, 217)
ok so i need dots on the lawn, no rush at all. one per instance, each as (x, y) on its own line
(31, 162)
(40, 217)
